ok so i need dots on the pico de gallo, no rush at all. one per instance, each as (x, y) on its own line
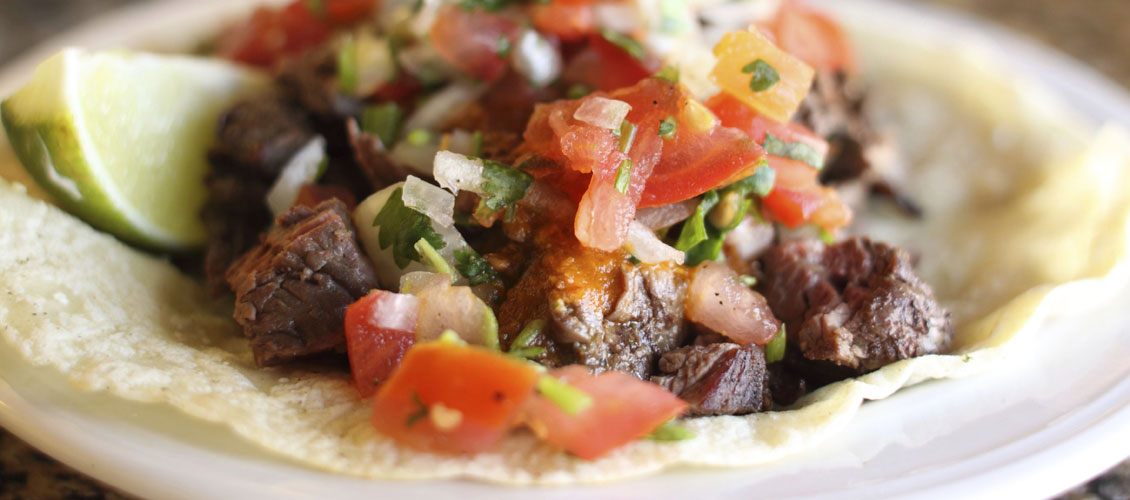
(537, 216)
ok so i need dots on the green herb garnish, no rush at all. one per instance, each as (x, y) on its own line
(630, 45)
(521, 346)
(487, 5)
(490, 329)
(401, 227)
(577, 91)
(669, 73)
(775, 349)
(623, 176)
(667, 127)
(383, 121)
(793, 150)
(502, 47)
(764, 76)
(670, 431)
(570, 399)
(747, 280)
(474, 267)
(503, 185)
(432, 257)
(477, 143)
(694, 229)
(627, 136)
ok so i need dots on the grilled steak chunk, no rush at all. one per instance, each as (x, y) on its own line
(717, 379)
(292, 289)
(857, 304)
(603, 312)
(255, 140)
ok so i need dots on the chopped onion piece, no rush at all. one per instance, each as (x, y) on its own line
(444, 307)
(645, 246)
(418, 281)
(623, 17)
(718, 300)
(430, 200)
(603, 112)
(454, 171)
(536, 59)
(750, 238)
(668, 215)
(303, 168)
(397, 311)
(375, 65)
(443, 105)
(462, 142)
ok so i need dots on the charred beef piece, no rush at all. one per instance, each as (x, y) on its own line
(856, 304)
(292, 289)
(255, 140)
(834, 108)
(310, 79)
(372, 157)
(603, 312)
(717, 379)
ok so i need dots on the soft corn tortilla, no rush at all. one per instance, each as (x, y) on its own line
(1010, 221)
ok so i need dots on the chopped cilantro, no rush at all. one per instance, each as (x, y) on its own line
(502, 47)
(521, 346)
(760, 183)
(487, 5)
(667, 127)
(490, 329)
(577, 91)
(503, 185)
(775, 349)
(569, 399)
(747, 280)
(764, 76)
(694, 229)
(627, 136)
(707, 249)
(433, 258)
(383, 121)
(793, 150)
(670, 431)
(826, 236)
(630, 45)
(624, 176)
(473, 266)
(401, 227)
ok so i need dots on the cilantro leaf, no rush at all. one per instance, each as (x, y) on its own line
(503, 184)
(473, 266)
(667, 127)
(760, 183)
(764, 77)
(694, 229)
(401, 227)
(793, 150)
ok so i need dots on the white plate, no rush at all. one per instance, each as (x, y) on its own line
(1054, 415)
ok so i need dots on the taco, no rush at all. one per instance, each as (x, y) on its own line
(541, 260)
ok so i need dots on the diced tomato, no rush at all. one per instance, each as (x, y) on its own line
(695, 162)
(271, 33)
(566, 21)
(403, 90)
(813, 37)
(739, 52)
(469, 40)
(736, 114)
(379, 329)
(798, 198)
(624, 409)
(312, 194)
(604, 66)
(455, 398)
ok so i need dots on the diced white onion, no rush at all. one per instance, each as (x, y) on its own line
(657, 218)
(430, 200)
(418, 281)
(718, 301)
(443, 105)
(749, 239)
(395, 311)
(645, 246)
(536, 59)
(416, 157)
(301, 169)
(602, 112)
(454, 171)
(444, 307)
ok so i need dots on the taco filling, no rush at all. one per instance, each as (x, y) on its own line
(500, 230)
(535, 183)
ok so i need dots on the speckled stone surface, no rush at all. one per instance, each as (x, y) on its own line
(1091, 30)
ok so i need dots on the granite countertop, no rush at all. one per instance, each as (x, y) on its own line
(1090, 30)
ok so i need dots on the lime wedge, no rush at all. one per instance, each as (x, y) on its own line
(120, 139)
